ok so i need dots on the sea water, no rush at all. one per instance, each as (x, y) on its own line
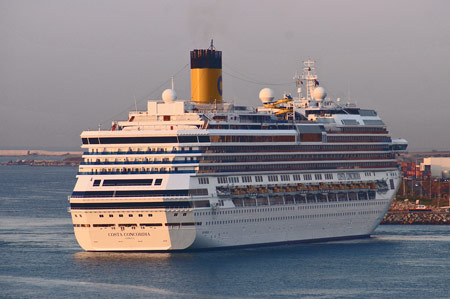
(40, 258)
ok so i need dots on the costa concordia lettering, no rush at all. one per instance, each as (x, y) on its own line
(204, 173)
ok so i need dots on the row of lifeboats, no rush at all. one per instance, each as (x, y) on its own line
(277, 199)
(321, 187)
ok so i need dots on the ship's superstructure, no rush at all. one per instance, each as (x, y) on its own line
(205, 173)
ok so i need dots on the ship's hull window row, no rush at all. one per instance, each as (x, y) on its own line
(359, 139)
(293, 157)
(254, 148)
(298, 148)
(141, 205)
(131, 205)
(185, 139)
(279, 167)
(137, 182)
(229, 138)
(155, 139)
(139, 193)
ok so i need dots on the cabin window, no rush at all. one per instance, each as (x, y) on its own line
(246, 179)
(307, 177)
(222, 180)
(297, 177)
(234, 179)
(203, 180)
(328, 176)
(273, 178)
(285, 177)
(96, 183)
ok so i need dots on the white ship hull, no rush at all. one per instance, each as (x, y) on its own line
(221, 227)
(312, 222)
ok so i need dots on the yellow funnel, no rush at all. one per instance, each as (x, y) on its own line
(206, 76)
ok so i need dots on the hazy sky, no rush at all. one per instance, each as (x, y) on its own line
(66, 66)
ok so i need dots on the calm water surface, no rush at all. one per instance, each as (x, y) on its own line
(39, 257)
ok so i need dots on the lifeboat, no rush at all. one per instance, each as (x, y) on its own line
(313, 188)
(238, 191)
(301, 187)
(278, 189)
(373, 186)
(251, 189)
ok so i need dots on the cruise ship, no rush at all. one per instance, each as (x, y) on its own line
(204, 173)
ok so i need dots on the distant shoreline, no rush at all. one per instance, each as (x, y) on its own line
(422, 218)
(24, 153)
(28, 153)
(405, 212)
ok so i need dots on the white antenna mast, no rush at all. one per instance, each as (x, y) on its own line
(173, 83)
(299, 91)
(309, 76)
(348, 92)
(135, 103)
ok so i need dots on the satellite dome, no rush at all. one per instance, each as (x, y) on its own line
(319, 93)
(266, 95)
(169, 96)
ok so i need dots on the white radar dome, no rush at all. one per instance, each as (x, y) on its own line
(169, 96)
(266, 95)
(319, 93)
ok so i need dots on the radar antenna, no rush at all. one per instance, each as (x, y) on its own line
(211, 47)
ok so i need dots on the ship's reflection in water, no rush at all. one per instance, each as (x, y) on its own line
(128, 258)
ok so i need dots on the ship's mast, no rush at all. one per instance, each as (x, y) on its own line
(309, 75)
